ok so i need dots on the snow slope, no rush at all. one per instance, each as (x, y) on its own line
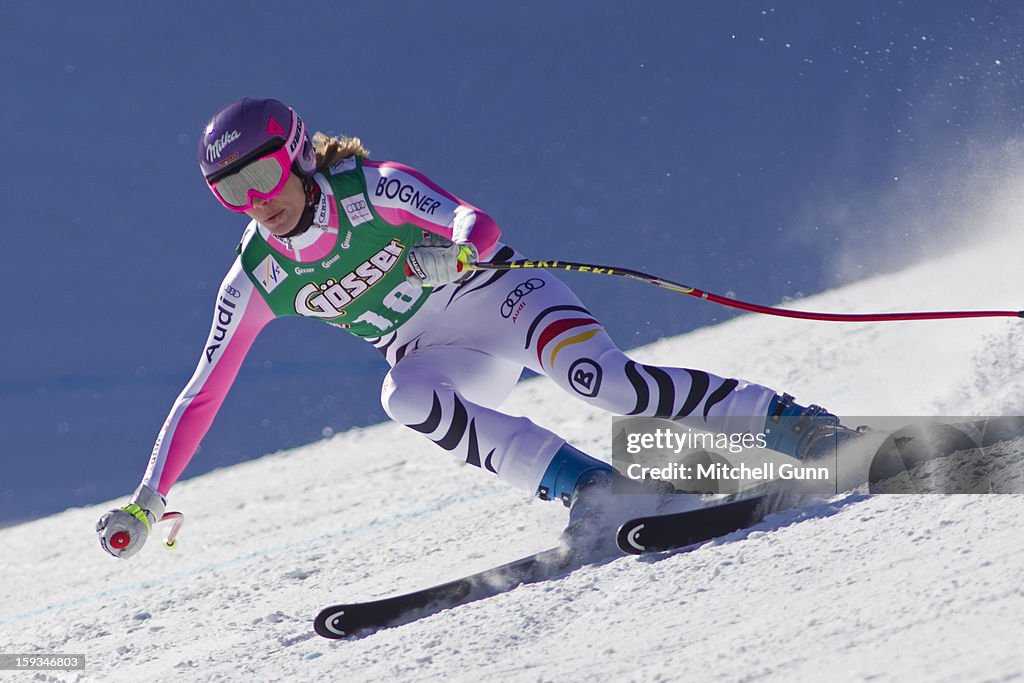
(908, 588)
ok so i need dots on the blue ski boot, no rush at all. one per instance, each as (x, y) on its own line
(807, 434)
(585, 485)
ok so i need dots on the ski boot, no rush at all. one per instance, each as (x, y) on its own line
(600, 499)
(807, 434)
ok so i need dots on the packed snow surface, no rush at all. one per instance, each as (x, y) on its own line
(861, 587)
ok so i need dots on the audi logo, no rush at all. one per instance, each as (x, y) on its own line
(509, 305)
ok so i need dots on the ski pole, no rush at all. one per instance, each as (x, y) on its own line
(171, 542)
(736, 303)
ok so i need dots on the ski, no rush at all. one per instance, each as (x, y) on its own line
(893, 467)
(656, 533)
(347, 619)
(905, 449)
(936, 457)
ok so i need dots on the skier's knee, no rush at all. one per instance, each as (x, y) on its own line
(408, 397)
(592, 380)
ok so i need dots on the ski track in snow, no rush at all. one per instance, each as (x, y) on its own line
(899, 587)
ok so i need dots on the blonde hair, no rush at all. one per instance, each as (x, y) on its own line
(330, 150)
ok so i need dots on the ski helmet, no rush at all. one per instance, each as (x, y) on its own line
(247, 131)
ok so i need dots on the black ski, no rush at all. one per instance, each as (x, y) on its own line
(678, 530)
(936, 457)
(347, 619)
(916, 447)
(906, 448)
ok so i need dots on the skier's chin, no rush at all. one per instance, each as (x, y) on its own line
(280, 222)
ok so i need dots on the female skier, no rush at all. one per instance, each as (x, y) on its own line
(380, 251)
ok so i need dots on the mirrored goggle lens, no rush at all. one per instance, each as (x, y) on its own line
(263, 176)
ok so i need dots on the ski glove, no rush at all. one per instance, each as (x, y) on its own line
(123, 532)
(438, 261)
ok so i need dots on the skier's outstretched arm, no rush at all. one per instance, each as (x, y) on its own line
(239, 315)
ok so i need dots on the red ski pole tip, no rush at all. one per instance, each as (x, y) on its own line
(120, 540)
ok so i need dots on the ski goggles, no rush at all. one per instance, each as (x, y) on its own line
(264, 179)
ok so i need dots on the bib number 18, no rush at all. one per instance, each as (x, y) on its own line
(400, 300)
